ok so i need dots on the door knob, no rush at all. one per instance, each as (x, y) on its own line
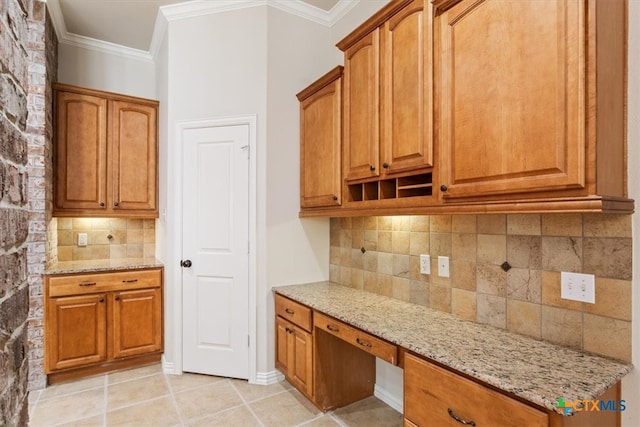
(186, 263)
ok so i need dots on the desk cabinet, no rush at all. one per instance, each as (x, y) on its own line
(98, 322)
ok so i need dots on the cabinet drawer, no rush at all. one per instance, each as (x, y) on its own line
(294, 312)
(100, 282)
(435, 396)
(360, 339)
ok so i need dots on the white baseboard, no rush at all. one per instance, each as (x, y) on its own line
(168, 367)
(267, 378)
(388, 398)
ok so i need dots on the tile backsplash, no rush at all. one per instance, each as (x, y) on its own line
(107, 238)
(381, 255)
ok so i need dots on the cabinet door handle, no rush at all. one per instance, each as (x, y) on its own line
(289, 330)
(443, 188)
(101, 299)
(116, 204)
(130, 281)
(460, 420)
(372, 168)
(363, 343)
(117, 298)
(289, 311)
(335, 198)
(333, 328)
(385, 165)
(88, 284)
(102, 204)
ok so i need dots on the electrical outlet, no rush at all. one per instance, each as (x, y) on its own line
(425, 264)
(578, 287)
(443, 266)
(82, 239)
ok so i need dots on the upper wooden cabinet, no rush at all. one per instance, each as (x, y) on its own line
(105, 161)
(388, 92)
(321, 141)
(531, 100)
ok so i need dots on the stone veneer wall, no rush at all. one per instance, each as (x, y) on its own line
(21, 30)
(43, 64)
(526, 299)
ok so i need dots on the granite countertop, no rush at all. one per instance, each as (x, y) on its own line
(101, 265)
(534, 370)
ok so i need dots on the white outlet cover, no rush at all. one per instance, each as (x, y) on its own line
(578, 287)
(425, 264)
(443, 266)
(82, 239)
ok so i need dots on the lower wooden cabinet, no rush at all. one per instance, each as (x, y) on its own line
(99, 322)
(295, 355)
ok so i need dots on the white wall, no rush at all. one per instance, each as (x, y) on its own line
(98, 70)
(631, 384)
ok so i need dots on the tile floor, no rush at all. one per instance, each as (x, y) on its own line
(147, 397)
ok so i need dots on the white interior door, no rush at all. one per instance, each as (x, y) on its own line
(215, 287)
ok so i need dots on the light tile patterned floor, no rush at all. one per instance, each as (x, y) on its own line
(147, 397)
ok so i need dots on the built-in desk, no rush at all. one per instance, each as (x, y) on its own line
(529, 372)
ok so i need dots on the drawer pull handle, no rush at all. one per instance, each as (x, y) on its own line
(88, 284)
(289, 330)
(333, 328)
(130, 281)
(363, 343)
(460, 420)
(288, 311)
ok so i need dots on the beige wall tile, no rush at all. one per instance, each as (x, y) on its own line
(118, 223)
(419, 293)
(118, 237)
(370, 261)
(524, 284)
(440, 297)
(464, 223)
(562, 224)
(334, 273)
(149, 224)
(414, 267)
(81, 223)
(385, 263)
(149, 250)
(613, 299)
(385, 242)
(562, 326)
(371, 240)
(608, 257)
(65, 253)
(65, 223)
(524, 251)
(607, 225)
(357, 278)
(524, 318)
(370, 281)
(401, 289)
(463, 247)
(65, 238)
(345, 256)
(492, 249)
(100, 223)
(400, 242)
(524, 224)
(492, 310)
(491, 279)
(370, 223)
(134, 223)
(401, 223)
(334, 232)
(335, 253)
(551, 292)
(420, 223)
(357, 223)
(117, 251)
(135, 251)
(345, 276)
(357, 238)
(463, 304)
(385, 285)
(562, 254)
(608, 337)
(492, 224)
(98, 237)
(357, 259)
(440, 223)
(345, 223)
(345, 238)
(418, 243)
(385, 223)
(463, 275)
(440, 244)
(401, 266)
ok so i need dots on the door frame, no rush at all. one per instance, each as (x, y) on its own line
(175, 254)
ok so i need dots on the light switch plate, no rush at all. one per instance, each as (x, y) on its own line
(82, 239)
(443, 266)
(425, 264)
(578, 287)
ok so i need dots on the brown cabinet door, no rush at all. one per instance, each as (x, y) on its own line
(511, 78)
(133, 156)
(76, 331)
(80, 152)
(294, 354)
(361, 104)
(301, 365)
(407, 89)
(136, 322)
(320, 145)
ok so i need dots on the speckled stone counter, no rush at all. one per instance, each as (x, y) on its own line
(101, 265)
(534, 370)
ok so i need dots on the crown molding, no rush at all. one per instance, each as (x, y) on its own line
(192, 9)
